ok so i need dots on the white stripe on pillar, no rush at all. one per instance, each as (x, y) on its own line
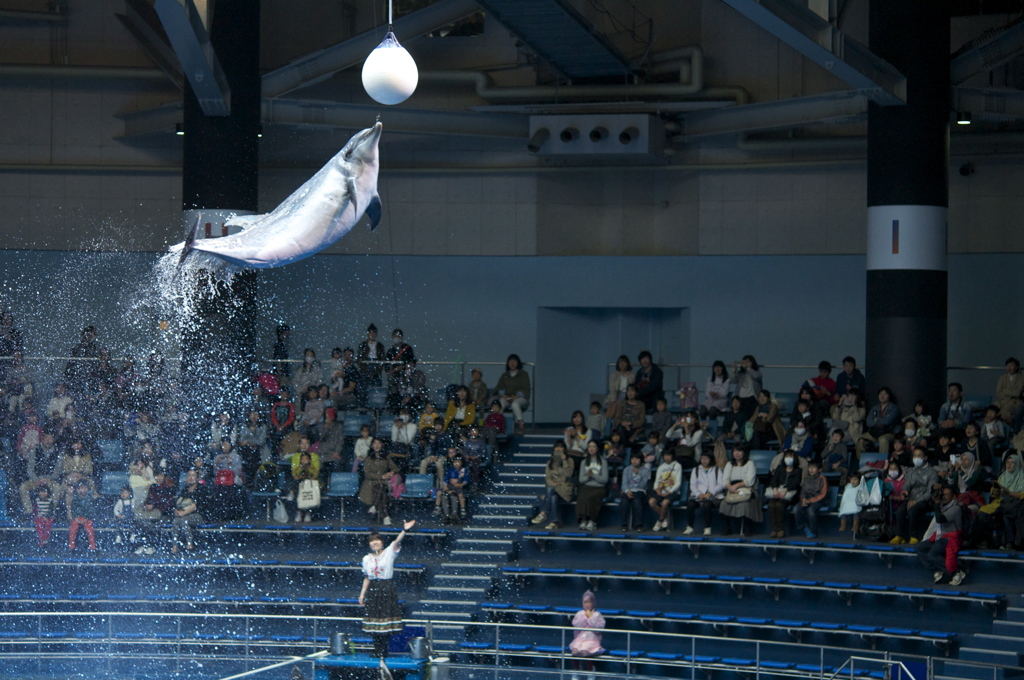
(906, 237)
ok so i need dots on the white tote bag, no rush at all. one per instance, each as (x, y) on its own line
(309, 495)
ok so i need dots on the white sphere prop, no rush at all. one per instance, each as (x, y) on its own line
(390, 75)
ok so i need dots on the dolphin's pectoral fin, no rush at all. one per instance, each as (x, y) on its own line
(373, 212)
(350, 187)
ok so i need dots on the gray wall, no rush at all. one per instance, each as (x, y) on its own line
(783, 309)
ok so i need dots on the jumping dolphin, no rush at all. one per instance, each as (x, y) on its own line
(316, 215)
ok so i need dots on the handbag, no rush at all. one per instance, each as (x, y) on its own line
(308, 496)
(224, 478)
(738, 496)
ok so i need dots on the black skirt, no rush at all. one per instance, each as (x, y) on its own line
(383, 613)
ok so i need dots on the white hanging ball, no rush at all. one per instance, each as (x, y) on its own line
(390, 75)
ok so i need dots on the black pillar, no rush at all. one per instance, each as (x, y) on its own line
(220, 173)
(907, 198)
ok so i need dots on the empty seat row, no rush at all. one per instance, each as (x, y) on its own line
(724, 621)
(333, 565)
(774, 585)
(186, 598)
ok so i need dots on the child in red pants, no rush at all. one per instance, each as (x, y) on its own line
(43, 515)
(82, 509)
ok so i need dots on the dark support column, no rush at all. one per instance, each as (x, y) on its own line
(220, 172)
(908, 197)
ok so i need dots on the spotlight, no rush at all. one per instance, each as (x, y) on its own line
(537, 140)
(179, 129)
(569, 134)
(628, 135)
(598, 134)
(963, 118)
(259, 132)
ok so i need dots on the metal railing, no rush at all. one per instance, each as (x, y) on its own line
(697, 653)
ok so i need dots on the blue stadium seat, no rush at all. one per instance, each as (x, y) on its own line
(354, 421)
(418, 486)
(112, 483)
(342, 485)
(377, 399)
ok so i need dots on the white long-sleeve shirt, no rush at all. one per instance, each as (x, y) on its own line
(706, 481)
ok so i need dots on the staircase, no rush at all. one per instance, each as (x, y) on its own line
(1004, 646)
(488, 542)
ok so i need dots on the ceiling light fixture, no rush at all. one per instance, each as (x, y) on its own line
(963, 118)
(179, 129)
(390, 75)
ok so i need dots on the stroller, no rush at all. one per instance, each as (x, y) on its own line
(876, 510)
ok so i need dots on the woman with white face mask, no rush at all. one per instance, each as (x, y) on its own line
(916, 501)
(782, 491)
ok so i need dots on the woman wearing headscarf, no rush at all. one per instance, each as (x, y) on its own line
(1011, 483)
(586, 641)
(968, 481)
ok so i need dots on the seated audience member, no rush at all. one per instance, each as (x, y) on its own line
(955, 413)
(174, 464)
(428, 418)
(651, 451)
(716, 393)
(578, 435)
(129, 530)
(668, 480)
(597, 421)
(361, 448)
(912, 437)
(42, 512)
(303, 469)
(622, 377)
(969, 480)
(140, 478)
(799, 441)
(313, 411)
(746, 383)
(513, 390)
(345, 381)
(850, 378)
(765, 422)
(494, 425)
(476, 454)
(188, 506)
(733, 423)
(558, 484)
(593, 486)
(453, 492)
(835, 457)
(332, 442)
(1009, 390)
(74, 467)
(159, 499)
(478, 391)
(222, 428)
(41, 471)
(282, 417)
(633, 494)
(706, 492)
(686, 437)
(253, 444)
(812, 418)
(941, 543)
(848, 414)
(433, 453)
(403, 435)
(923, 417)
(915, 499)
(377, 473)
(945, 448)
(994, 431)
(974, 443)
(628, 416)
(461, 411)
(227, 466)
(661, 419)
(410, 388)
(988, 522)
(853, 498)
(83, 511)
(813, 495)
(308, 374)
(783, 491)
(741, 500)
(900, 453)
(648, 381)
(881, 420)
(823, 388)
(893, 485)
(60, 401)
(1011, 502)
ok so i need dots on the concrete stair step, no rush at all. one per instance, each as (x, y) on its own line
(494, 507)
(1004, 643)
(1009, 628)
(1015, 613)
(491, 556)
(453, 566)
(489, 531)
(525, 498)
(463, 542)
(473, 592)
(463, 578)
(442, 615)
(983, 655)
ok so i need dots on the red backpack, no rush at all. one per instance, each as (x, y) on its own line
(224, 478)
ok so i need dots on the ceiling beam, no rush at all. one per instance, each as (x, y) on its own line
(989, 104)
(821, 42)
(834, 107)
(987, 52)
(190, 39)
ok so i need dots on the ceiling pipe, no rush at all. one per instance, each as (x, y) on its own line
(83, 72)
(991, 50)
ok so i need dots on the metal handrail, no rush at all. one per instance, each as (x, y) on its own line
(885, 661)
